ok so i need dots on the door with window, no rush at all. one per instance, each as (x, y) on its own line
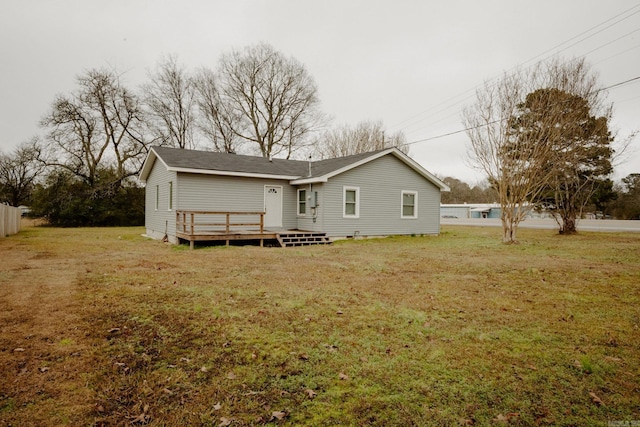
(273, 206)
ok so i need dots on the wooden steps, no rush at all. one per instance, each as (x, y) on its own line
(302, 238)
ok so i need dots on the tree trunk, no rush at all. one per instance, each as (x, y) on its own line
(568, 223)
(509, 230)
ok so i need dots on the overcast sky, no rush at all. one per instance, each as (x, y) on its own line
(412, 64)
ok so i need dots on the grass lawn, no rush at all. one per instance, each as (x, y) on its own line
(104, 327)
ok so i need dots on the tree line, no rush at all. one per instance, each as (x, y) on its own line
(256, 101)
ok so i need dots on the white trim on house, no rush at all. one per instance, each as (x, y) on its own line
(230, 173)
(148, 165)
(325, 178)
(397, 153)
(344, 202)
(415, 204)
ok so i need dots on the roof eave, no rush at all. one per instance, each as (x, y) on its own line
(148, 165)
(307, 180)
(422, 171)
(231, 173)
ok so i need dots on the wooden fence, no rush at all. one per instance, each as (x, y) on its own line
(9, 220)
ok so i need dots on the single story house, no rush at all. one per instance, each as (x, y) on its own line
(383, 192)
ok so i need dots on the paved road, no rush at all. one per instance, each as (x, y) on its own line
(607, 225)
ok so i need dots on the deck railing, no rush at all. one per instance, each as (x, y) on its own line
(200, 222)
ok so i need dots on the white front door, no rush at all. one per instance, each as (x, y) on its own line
(273, 206)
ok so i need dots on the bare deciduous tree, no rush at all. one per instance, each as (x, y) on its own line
(216, 119)
(170, 99)
(365, 136)
(271, 99)
(19, 171)
(98, 126)
(515, 168)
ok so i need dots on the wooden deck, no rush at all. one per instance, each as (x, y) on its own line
(195, 226)
(209, 226)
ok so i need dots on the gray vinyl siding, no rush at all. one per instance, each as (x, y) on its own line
(225, 193)
(380, 184)
(306, 222)
(160, 220)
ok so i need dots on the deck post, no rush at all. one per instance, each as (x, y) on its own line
(191, 244)
(184, 222)
(192, 221)
(227, 226)
(261, 222)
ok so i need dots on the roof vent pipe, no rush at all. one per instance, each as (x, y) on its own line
(309, 166)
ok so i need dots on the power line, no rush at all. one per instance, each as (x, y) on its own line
(499, 120)
(455, 100)
(593, 28)
(612, 41)
(620, 84)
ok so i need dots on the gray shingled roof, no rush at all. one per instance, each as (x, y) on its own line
(215, 161)
(295, 170)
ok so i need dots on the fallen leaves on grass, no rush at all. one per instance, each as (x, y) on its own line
(278, 415)
(343, 376)
(143, 418)
(217, 406)
(310, 393)
(505, 419)
(231, 376)
(595, 399)
(225, 422)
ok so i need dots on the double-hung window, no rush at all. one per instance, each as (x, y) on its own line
(170, 202)
(351, 202)
(409, 207)
(302, 202)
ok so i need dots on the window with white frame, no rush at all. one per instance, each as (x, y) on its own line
(409, 208)
(351, 202)
(302, 202)
(170, 195)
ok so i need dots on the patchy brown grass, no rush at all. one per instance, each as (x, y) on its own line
(104, 327)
